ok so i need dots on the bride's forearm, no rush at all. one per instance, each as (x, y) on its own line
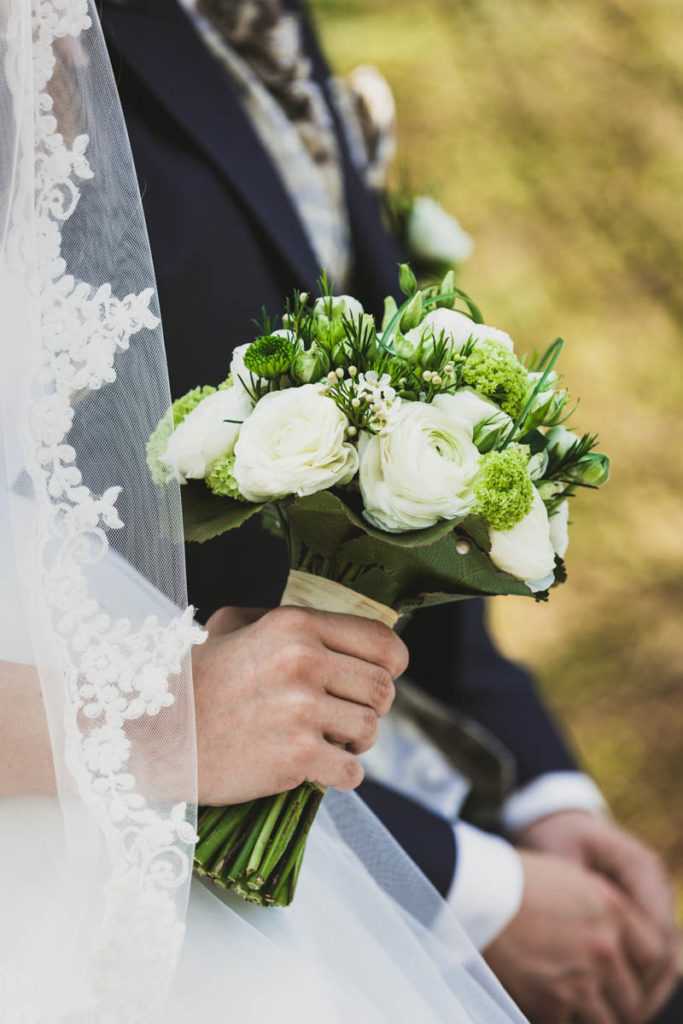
(25, 752)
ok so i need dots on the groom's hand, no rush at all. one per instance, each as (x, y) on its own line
(604, 847)
(577, 949)
(278, 692)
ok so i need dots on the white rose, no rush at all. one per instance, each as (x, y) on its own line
(293, 443)
(339, 305)
(205, 435)
(468, 405)
(421, 471)
(433, 234)
(526, 551)
(457, 329)
(559, 529)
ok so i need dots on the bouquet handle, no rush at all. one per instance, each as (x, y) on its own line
(304, 590)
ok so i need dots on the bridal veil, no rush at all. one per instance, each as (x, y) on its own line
(95, 636)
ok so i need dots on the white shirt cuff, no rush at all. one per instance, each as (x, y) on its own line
(549, 794)
(487, 890)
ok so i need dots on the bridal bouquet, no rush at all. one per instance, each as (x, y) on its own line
(408, 462)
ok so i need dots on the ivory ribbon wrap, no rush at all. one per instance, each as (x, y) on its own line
(304, 590)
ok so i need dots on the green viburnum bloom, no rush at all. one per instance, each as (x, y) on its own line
(496, 372)
(503, 490)
(184, 405)
(270, 356)
(221, 478)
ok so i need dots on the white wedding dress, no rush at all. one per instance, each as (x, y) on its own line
(101, 921)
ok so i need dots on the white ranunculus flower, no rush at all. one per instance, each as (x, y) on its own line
(433, 234)
(526, 550)
(559, 529)
(237, 368)
(421, 471)
(457, 329)
(293, 443)
(341, 305)
(468, 405)
(205, 435)
(559, 440)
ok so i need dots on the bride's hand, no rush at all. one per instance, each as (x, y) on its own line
(275, 691)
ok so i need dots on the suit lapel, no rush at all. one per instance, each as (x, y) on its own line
(157, 39)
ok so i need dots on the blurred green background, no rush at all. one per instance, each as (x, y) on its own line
(554, 132)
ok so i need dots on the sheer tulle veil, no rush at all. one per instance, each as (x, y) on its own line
(95, 867)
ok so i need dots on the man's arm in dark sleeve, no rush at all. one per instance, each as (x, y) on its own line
(453, 657)
(426, 837)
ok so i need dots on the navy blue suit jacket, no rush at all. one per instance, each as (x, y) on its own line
(226, 241)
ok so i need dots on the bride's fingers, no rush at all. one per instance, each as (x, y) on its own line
(334, 766)
(359, 681)
(352, 725)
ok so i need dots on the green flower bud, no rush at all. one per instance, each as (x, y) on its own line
(342, 353)
(407, 281)
(390, 310)
(549, 405)
(593, 470)
(550, 489)
(538, 464)
(447, 286)
(270, 356)
(407, 348)
(310, 366)
(412, 314)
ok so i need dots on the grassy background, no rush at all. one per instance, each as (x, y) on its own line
(554, 132)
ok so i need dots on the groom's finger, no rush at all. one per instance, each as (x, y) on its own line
(622, 990)
(597, 1011)
(359, 681)
(640, 874)
(645, 946)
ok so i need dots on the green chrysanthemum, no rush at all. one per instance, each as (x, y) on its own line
(270, 356)
(221, 478)
(497, 373)
(503, 489)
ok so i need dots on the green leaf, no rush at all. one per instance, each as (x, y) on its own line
(206, 515)
(320, 520)
(410, 539)
(408, 578)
